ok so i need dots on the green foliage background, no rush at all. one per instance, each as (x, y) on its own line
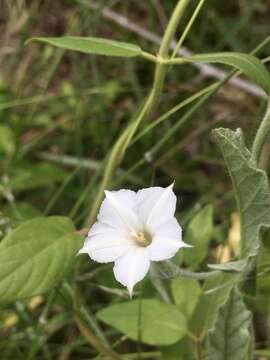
(60, 113)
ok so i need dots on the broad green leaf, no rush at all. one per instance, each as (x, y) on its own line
(186, 294)
(230, 338)
(199, 234)
(161, 324)
(35, 257)
(250, 186)
(7, 141)
(215, 292)
(248, 64)
(92, 45)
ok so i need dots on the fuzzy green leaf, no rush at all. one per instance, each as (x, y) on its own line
(92, 45)
(230, 337)
(215, 292)
(162, 324)
(233, 266)
(36, 256)
(248, 64)
(250, 186)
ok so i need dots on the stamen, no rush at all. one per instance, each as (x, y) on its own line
(143, 238)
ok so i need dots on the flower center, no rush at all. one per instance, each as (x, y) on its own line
(143, 238)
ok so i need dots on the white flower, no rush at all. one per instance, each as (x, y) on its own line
(133, 229)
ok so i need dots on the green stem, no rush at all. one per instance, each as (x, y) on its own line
(139, 323)
(199, 349)
(188, 27)
(108, 172)
(171, 28)
(261, 135)
(198, 275)
(176, 108)
(152, 99)
(179, 60)
(149, 56)
(93, 341)
(99, 343)
(83, 313)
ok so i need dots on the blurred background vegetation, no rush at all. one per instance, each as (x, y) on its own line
(60, 113)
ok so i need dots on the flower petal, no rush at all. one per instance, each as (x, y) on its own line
(99, 228)
(170, 229)
(156, 205)
(119, 210)
(105, 244)
(132, 267)
(167, 240)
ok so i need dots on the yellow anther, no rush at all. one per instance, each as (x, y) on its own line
(143, 238)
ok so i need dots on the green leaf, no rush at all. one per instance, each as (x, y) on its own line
(161, 324)
(35, 257)
(266, 238)
(186, 294)
(215, 292)
(250, 186)
(28, 176)
(230, 338)
(25, 211)
(263, 282)
(7, 141)
(92, 45)
(248, 64)
(166, 269)
(232, 266)
(199, 233)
